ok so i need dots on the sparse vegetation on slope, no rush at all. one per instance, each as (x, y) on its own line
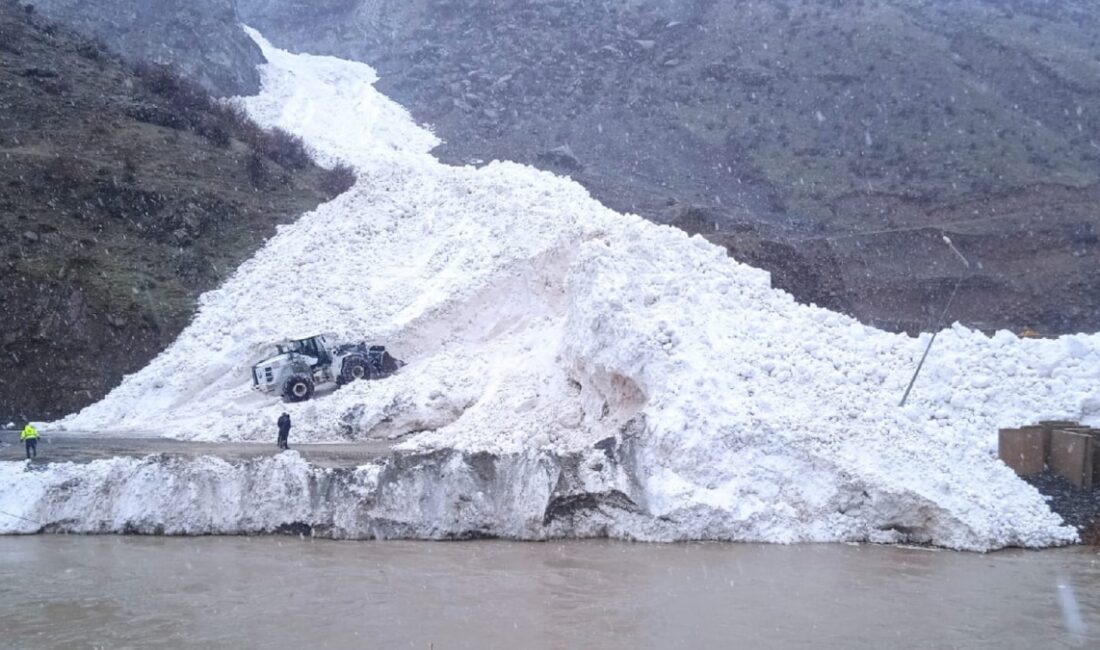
(124, 193)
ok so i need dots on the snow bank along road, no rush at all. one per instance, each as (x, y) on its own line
(572, 371)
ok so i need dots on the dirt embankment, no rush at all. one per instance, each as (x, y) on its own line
(124, 193)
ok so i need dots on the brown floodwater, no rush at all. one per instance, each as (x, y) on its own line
(285, 592)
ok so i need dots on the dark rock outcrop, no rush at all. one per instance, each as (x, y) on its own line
(203, 38)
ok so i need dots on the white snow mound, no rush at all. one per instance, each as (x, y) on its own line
(533, 318)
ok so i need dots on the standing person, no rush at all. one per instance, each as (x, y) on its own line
(30, 439)
(284, 430)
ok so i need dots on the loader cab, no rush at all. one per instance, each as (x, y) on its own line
(313, 346)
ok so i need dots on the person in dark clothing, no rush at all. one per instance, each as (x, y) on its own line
(284, 431)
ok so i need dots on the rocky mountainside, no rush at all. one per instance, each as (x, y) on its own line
(201, 37)
(124, 194)
(833, 144)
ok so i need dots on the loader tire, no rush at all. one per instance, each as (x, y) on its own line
(355, 368)
(297, 388)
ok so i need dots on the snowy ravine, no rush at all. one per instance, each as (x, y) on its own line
(571, 371)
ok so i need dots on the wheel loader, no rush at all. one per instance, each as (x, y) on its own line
(300, 365)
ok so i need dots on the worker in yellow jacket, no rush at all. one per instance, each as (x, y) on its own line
(30, 439)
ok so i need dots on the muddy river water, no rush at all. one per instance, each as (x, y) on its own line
(286, 592)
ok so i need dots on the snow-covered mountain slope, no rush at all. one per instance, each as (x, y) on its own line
(536, 322)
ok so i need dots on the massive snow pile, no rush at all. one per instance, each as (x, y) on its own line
(536, 323)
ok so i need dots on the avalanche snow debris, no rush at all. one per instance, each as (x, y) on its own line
(536, 323)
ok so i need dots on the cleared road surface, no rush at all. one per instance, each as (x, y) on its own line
(83, 448)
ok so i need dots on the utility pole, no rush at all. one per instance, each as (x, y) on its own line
(939, 323)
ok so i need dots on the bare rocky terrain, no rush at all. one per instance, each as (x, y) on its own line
(833, 144)
(200, 37)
